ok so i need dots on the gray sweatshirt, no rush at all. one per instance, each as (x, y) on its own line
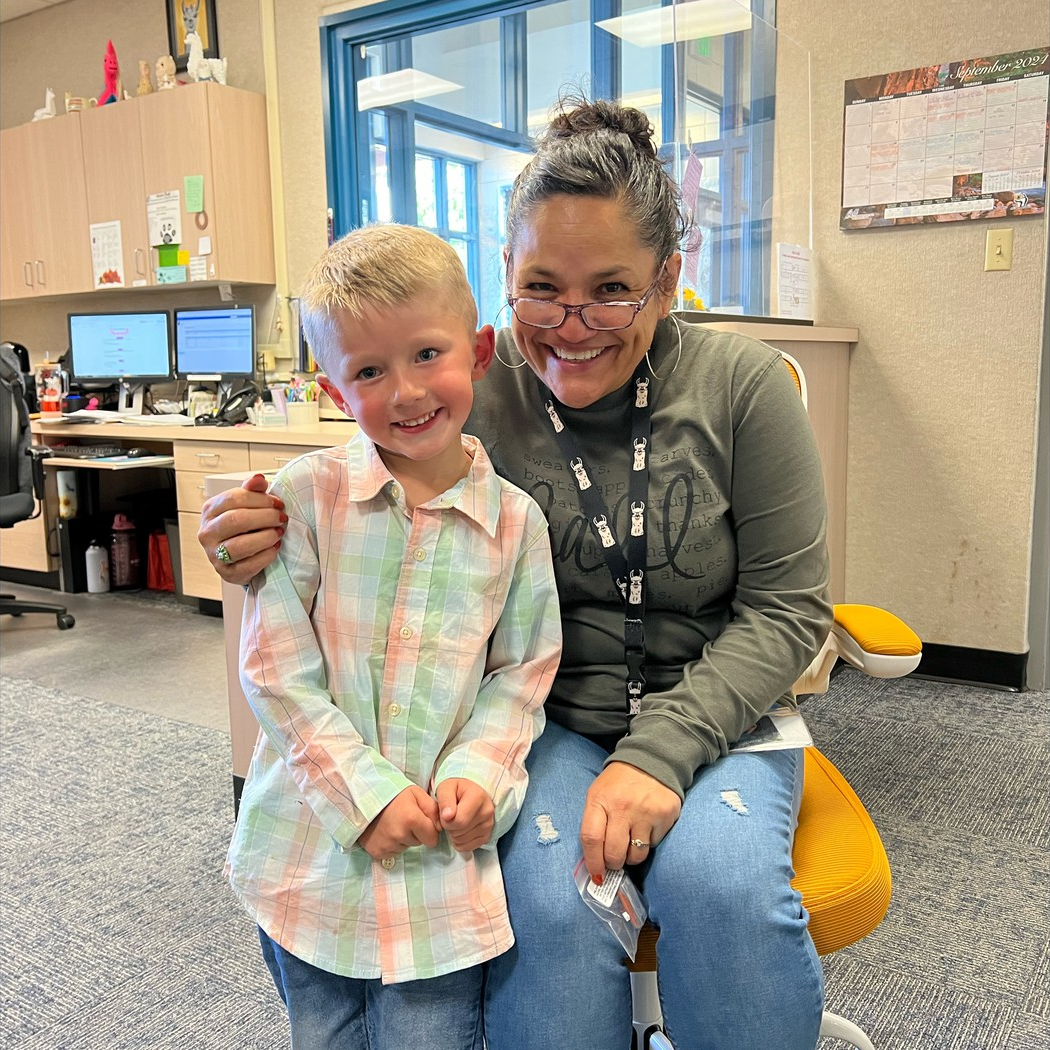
(737, 567)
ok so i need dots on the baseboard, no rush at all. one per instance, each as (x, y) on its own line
(956, 663)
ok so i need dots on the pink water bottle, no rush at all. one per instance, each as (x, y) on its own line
(123, 554)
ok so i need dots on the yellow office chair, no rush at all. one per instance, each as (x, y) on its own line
(841, 866)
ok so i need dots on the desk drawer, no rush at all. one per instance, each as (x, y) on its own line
(189, 490)
(273, 457)
(211, 457)
(25, 546)
(199, 577)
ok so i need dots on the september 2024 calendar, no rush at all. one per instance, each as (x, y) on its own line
(951, 142)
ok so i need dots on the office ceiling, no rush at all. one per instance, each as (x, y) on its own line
(17, 8)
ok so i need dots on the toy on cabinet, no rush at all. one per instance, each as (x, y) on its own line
(199, 67)
(165, 67)
(145, 82)
(48, 108)
(75, 103)
(112, 90)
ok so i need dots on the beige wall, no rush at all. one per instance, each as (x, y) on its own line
(943, 382)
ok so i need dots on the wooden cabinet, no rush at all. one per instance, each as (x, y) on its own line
(45, 247)
(61, 175)
(218, 133)
(114, 183)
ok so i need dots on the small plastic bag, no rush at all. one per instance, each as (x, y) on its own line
(616, 902)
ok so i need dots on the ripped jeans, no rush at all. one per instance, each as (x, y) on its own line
(738, 969)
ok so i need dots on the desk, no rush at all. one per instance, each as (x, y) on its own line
(194, 452)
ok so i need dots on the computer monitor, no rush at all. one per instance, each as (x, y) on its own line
(215, 344)
(130, 348)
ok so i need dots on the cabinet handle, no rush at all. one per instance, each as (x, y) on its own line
(208, 455)
(27, 273)
(140, 262)
(40, 272)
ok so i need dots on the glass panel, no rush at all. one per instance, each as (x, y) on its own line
(466, 56)
(456, 177)
(426, 192)
(558, 55)
(380, 207)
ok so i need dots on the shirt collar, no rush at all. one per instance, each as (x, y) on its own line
(477, 495)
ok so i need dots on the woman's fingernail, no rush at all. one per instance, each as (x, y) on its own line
(284, 518)
(597, 879)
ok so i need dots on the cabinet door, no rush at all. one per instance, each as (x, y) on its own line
(113, 177)
(16, 265)
(58, 202)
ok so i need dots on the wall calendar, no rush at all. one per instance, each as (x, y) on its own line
(956, 141)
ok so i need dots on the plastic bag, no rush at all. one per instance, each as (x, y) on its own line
(159, 574)
(616, 902)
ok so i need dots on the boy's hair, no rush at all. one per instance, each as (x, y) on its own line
(383, 264)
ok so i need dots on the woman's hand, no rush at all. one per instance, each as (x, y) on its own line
(248, 523)
(624, 804)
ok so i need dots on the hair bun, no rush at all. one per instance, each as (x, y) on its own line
(578, 116)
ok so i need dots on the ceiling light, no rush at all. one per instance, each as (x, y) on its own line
(688, 21)
(406, 85)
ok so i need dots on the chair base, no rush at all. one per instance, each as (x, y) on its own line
(12, 606)
(835, 1027)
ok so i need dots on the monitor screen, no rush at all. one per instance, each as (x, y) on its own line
(215, 343)
(131, 345)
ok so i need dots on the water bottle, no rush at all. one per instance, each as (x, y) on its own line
(123, 554)
(97, 559)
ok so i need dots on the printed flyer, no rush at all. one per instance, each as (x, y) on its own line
(945, 143)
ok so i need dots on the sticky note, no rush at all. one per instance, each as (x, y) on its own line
(168, 254)
(183, 258)
(193, 190)
(204, 246)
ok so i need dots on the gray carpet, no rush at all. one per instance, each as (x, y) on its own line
(117, 931)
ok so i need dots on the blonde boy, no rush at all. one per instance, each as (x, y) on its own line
(397, 656)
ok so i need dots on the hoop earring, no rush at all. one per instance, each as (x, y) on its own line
(495, 349)
(677, 360)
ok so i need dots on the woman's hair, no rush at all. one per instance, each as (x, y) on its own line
(601, 149)
(380, 265)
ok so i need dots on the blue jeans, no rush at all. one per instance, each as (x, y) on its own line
(329, 1012)
(738, 969)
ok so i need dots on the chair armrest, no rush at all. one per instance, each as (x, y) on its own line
(38, 453)
(871, 639)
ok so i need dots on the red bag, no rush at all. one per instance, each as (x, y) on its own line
(159, 575)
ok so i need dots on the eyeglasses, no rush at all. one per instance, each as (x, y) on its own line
(599, 317)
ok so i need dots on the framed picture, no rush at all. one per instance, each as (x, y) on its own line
(191, 16)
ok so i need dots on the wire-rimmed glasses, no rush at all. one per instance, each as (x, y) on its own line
(599, 317)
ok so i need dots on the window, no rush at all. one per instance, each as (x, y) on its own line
(431, 108)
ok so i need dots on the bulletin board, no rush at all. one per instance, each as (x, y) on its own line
(946, 143)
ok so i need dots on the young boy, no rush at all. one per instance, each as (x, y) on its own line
(397, 656)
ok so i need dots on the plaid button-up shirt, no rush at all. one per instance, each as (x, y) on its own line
(385, 648)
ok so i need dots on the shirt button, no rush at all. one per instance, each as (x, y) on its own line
(394, 709)
(387, 862)
(405, 632)
(395, 491)
(419, 554)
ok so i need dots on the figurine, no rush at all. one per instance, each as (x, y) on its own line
(113, 91)
(199, 67)
(48, 109)
(190, 14)
(75, 103)
(165, 73)
(145, 83)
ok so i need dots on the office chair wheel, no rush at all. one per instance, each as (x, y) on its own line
(65, 621)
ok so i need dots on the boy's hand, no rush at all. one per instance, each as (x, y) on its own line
(408, 819)
(467, 813)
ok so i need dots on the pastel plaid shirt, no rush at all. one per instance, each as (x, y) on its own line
(385, 648)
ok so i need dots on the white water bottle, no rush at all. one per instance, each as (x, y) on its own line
(97, 560)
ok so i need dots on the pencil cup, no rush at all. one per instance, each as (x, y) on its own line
(303, 413)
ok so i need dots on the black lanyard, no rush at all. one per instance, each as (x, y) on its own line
(628, 572)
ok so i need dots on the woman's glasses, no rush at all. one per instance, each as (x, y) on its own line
(600, 317)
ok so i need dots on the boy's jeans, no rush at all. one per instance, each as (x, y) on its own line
(738, 970)
(329, 1012)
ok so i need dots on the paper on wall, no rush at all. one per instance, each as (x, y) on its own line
(164, 214)
(107, 254)
(794, 281)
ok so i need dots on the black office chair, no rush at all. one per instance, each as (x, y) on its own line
(21, 474)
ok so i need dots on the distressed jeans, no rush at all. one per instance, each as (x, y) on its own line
(330, 1012)
(738, 969)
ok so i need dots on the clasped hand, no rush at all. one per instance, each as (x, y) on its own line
(462, 809)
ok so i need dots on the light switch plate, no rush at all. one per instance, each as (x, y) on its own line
(999, 250)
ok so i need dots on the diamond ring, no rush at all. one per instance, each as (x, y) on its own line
(639, 844)
(222, 554)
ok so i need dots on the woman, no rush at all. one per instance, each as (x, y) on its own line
(683, 489)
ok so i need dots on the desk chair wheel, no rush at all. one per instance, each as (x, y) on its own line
(65, 621)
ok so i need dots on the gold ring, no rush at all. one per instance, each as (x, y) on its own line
(639, 844)
(222, 554)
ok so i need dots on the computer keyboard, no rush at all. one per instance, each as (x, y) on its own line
(86, 451)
